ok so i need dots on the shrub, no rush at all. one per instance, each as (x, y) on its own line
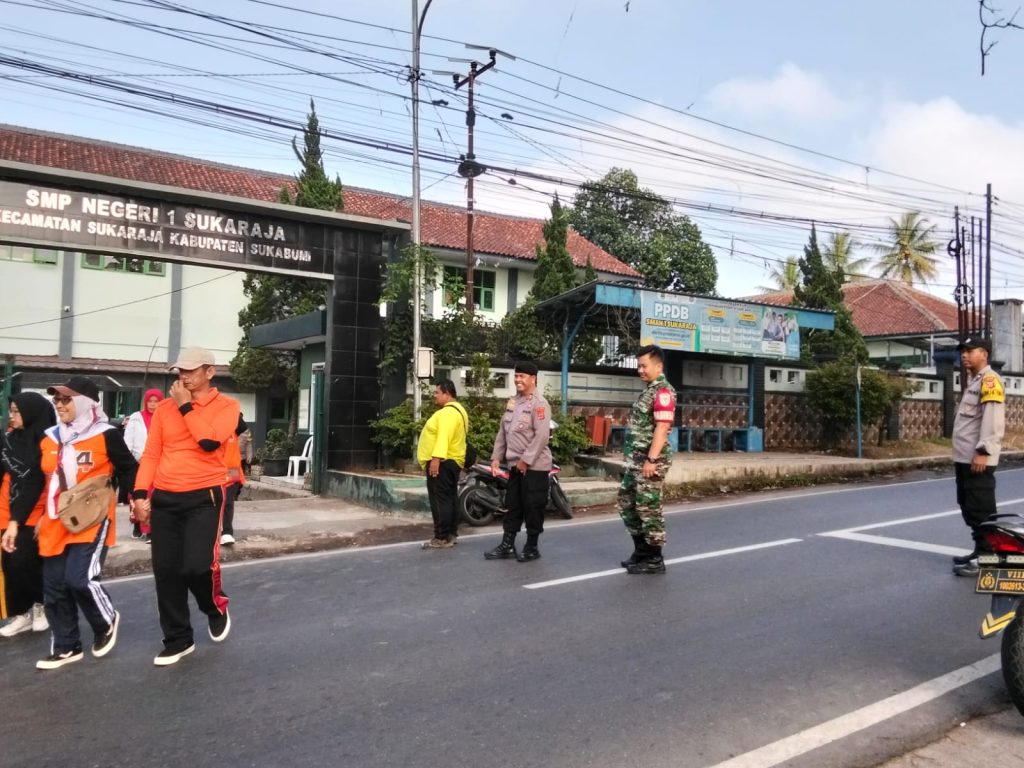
(396, 430)
(277, 446)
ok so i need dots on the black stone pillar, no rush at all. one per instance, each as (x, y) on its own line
(354, 333)
(945, 366)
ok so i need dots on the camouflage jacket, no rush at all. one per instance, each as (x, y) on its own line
(657, 403)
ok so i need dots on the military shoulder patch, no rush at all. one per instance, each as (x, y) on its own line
(540, 412)
(992, 389)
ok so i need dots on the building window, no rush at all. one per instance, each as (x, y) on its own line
(774, 375)
(483, 287)
(32, 255)
(123, 264)
(792, 377)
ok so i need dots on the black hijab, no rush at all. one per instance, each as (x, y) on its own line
(21, 455)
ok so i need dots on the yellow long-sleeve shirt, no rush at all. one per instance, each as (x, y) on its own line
(444, 435)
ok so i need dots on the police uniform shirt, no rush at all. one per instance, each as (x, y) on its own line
(980, 419)
(524, 432)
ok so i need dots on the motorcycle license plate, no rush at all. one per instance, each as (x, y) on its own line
(1000, 581)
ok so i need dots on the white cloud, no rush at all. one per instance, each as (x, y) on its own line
(791, 93)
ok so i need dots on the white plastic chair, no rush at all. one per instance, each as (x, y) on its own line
(295, 463)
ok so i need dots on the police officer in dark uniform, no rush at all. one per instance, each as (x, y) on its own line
(522, 443)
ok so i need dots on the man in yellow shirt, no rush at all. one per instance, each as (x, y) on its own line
(442, 453)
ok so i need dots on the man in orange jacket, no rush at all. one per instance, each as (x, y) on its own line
(184, 464)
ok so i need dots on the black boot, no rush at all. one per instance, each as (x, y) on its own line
(530, 551)
(505, 550)
(638, 548)
(652, 562)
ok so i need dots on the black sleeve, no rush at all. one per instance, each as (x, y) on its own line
(125, 465)
(242, 426)
(26, 485)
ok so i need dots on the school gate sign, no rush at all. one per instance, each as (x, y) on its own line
(63, 210)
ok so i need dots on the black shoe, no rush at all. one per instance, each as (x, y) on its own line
(220, 625)
(639, 547)
(167, 657)
(136, 531)
(965, 559)
(105, 643)
(650, 565)
(505, 550)
(55, 660)
(967, 569)
(530, 552)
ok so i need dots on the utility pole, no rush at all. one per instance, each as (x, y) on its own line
(988, 261)
(469, 168)
(414, 79)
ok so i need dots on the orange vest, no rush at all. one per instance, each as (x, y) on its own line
(92, 461)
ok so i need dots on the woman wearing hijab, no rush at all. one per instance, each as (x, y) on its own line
(136, 431)
(83, 445)
(22, 491)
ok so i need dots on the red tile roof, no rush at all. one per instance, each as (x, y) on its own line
(887, 308)
(442, 226)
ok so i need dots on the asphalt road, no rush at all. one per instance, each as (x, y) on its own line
(793, 648)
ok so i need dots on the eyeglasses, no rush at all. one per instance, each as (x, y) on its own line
(61, 399)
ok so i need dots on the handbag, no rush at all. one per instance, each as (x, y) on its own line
(470, 458)
(85, 504)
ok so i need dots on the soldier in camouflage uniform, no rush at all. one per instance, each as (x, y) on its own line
(648, 458)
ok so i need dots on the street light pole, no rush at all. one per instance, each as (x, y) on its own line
(414, 78)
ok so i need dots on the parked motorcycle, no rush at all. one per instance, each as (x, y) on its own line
(482, 494)
(1001, 575)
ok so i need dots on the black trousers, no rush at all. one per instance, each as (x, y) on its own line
(976, 494)
(230, 496)
(442, 492)
(23, 572)
(186, 551)
(526, 499)
(71, 584)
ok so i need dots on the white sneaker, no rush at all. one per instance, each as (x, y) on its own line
(39, 622)
(17, 625)
(226, 540)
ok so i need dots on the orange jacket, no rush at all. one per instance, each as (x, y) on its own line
(5, 502)
(185, 452)
(5, 505)
(102, 454)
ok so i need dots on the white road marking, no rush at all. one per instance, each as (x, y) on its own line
(886, 541)
(686, 559)
(854, 534)
(865, 717)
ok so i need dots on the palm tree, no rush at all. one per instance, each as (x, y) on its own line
(838, 256)
(784, 277)
(908, 257)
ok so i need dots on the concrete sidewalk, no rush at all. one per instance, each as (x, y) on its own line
(996, 740)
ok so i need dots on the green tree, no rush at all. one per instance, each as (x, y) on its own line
(639, 227)
(276, 297)
(312, 187)
(822, 288)
(831, 393)
(839, 255)
(784, 277)
(555, 272)
(909, 256)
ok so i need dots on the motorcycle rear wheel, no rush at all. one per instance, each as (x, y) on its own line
(560, 502)
(474, 511)
(1012, 654)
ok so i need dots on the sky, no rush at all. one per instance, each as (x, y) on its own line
(753, 118)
